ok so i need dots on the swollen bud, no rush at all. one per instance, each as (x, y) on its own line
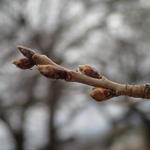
(52, 72)
(23, 63)
(89, 71)
(27, 52)
(101, 94)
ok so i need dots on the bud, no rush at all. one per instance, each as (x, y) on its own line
(101, 94)
(52, 72)
(23, 63)
(89, 71)
(27, 52)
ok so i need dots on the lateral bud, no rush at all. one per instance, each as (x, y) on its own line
(89, 71)
(23, 63)
(101, 94)
(52, 72)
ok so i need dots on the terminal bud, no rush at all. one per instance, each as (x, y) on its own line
(27, 52)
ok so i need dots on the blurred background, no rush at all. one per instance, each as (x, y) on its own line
(40, 114)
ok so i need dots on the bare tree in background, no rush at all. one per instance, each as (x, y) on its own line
(114, 35)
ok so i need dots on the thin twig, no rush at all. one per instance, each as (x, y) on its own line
(50, 69)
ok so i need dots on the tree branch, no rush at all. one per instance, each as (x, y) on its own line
(105, 89)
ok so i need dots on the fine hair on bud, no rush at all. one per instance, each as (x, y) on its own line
(89, 71)
(52, 72)
(101, 94)
(23, 63)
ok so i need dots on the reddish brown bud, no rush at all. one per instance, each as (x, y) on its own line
(23, 63)
(101, 94)
(27, 52)
(52, 72)
(89, 71)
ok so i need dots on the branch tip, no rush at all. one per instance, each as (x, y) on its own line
(27, 52)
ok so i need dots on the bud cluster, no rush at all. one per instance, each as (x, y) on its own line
(25, 63)
(55, 71)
